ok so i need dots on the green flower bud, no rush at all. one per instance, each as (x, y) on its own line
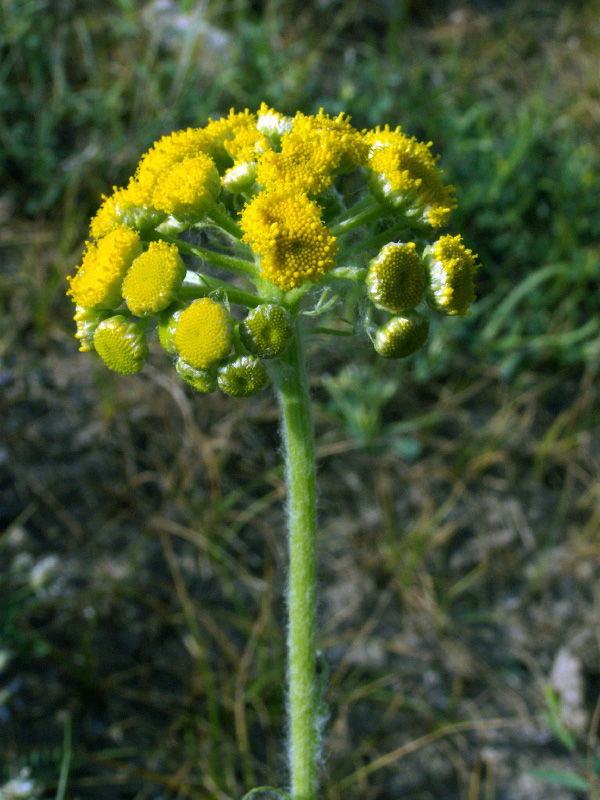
(401, 336)
(167, 325)
(153, 279)
(395, 280)
(121, 344)
(451, 268)
(266, 331)
(203, 380)
(243, 377)
(87, 320)
(240, 177)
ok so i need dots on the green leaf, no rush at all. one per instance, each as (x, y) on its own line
(559, 778)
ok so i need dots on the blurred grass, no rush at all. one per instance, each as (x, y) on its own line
(509, 95)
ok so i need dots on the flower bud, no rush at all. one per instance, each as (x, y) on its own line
(87, 320)
(240, 177)
(203, 380)
(401, 336)
(204, 333)
(266, 331)
(451, 268)
(243, 377)
(121, 344)
(167, 325)
(395, 280)
(153, 279)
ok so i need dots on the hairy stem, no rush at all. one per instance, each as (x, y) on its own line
(297, 432)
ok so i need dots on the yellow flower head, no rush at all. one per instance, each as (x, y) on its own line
(100, 277)
(312, 153)
(286, 230)
(189, 189)
(168, 151)
(402, 335)
(451, 270)
(404, 175)
(395, 280)
(153, 279)
(204, 333)
(121, 344)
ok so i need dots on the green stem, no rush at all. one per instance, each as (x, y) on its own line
(230, 263)
(370, 213)
(195, 286)
(298, 441)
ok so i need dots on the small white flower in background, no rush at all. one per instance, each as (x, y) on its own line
(43, 571)
(20, 787)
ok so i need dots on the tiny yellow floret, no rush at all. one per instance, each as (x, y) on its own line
(153, 279)
(204, 333)
(98, 281)
(451, 270)
(286, 230)
(121, 344)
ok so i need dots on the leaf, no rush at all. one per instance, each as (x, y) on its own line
(559, 778)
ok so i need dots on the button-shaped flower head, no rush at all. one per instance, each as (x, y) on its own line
(202, 380)
(286, 230)
(121, 344)
(243, 377)
(396, 280)
(404, 176)
(204, 333)
(451, 269)
(98, 281)
(153, 279)
(266, 331)
(189, 190)
(402, 335)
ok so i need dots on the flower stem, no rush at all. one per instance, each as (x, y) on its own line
(298, 441)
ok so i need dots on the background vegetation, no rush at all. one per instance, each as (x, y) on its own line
(140, 607)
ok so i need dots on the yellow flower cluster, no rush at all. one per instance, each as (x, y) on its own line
(268, 188)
